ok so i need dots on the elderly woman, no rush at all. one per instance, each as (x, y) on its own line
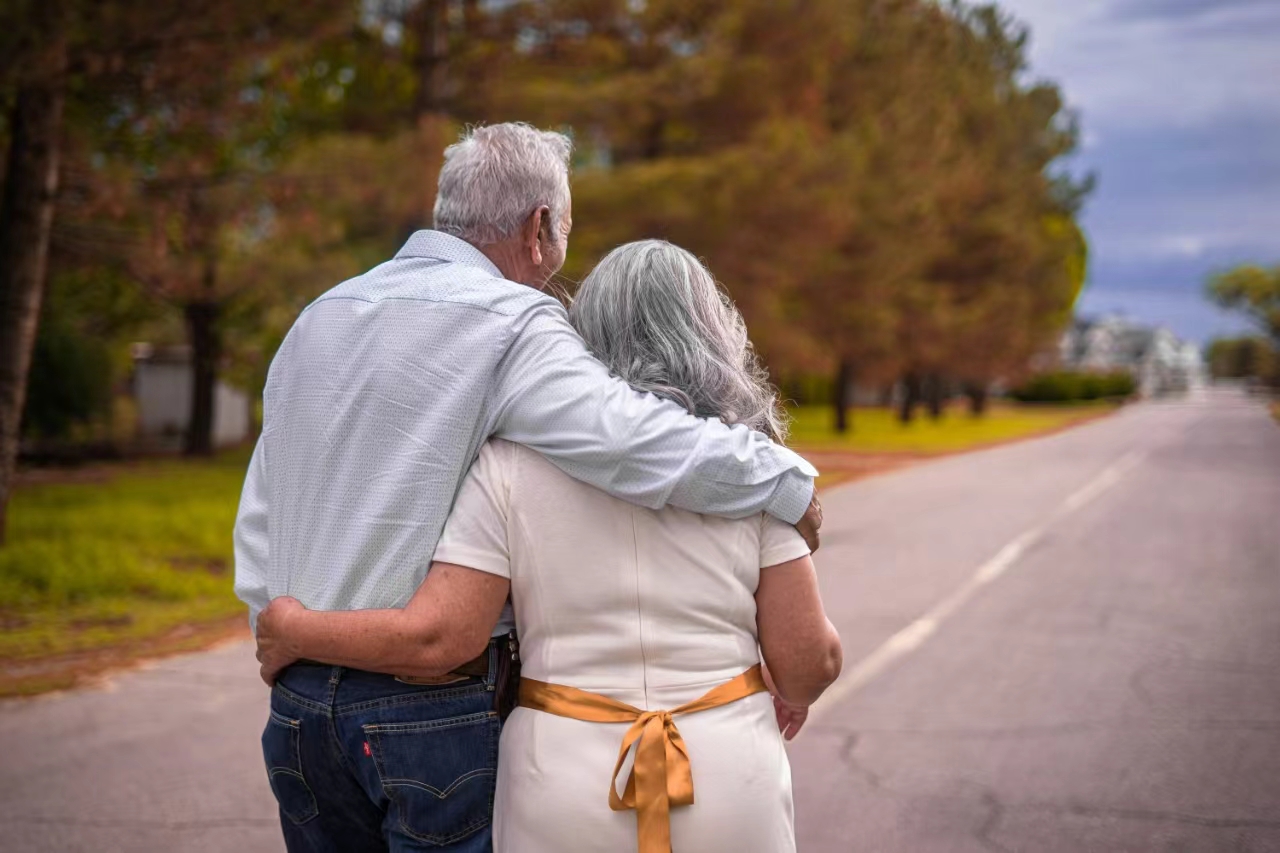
(642, 632)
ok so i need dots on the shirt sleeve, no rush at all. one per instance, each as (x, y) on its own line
(251, 536)
(475, 535)
(555, 398)
(779, 543)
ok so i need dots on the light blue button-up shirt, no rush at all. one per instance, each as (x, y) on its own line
(386, 387)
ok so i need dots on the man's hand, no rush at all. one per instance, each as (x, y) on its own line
(275, 652)
(809, 524)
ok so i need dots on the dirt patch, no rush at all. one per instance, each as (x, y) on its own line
(40, 675)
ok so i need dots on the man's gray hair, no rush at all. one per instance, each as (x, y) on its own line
(655, 316)
(496, 175)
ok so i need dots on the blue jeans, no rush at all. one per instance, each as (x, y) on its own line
(362, 762)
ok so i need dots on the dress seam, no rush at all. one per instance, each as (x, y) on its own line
(635, 566)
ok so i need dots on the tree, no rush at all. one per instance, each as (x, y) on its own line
(1254, 291)
(1244, 358)
(188, 182)
(71, 58)
(26, 207)
(1011, 262)
(871, 179)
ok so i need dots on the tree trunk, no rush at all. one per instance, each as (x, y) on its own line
(471, 18)
(654, 137)
(843, 393)
(26, 221)
(206, 349)
(977, 394)
(431, 27)
(910, 397)
(935, 395)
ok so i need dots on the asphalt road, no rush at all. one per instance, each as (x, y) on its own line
(1071, 644)
(1068, 644)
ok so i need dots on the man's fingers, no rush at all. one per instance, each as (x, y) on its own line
(809, 532)
(810, 523)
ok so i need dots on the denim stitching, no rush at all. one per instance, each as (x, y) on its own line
(429, 725)
(295, 733)
(494, 739)
(337, 748)
(283, 720)
(372, 730)
(431, 789)
(409, 698)
(470, 829)
(301, 701)
(285, 771)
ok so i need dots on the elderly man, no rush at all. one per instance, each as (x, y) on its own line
(376, 404)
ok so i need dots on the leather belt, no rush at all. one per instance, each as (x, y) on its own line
(477, 667)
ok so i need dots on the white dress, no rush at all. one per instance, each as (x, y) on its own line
(652, 608)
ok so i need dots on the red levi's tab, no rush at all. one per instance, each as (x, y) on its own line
(368, 751)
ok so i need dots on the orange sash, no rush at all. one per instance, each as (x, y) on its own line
(660, 777)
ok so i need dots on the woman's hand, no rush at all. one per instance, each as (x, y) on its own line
(791, 715)
(275, 652)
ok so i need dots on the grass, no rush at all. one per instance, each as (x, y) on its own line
(122, 560)
(877, 430)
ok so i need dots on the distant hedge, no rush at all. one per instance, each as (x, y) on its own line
(1068, 386)
(69, 383)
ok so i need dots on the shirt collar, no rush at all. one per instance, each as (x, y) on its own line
(446, 247)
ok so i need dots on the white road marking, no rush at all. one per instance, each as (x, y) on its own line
(914, 635)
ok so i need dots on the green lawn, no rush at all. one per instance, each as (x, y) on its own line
(143, 551)
(878, 430)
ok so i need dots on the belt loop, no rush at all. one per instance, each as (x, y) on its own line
(491, 677)
(335, 676)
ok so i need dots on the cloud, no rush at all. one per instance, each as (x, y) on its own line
(1180, 115)
(1181, 9)
(1165, 191)
(1138, 62)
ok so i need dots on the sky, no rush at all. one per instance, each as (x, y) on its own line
(1179, 107)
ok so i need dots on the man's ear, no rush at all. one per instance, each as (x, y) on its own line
(537, 228)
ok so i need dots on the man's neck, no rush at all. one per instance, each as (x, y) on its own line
(507, 258)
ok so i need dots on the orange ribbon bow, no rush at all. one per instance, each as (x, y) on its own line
(661, 776)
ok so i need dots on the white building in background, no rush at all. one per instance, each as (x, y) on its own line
(162, 384)
(1157, 359)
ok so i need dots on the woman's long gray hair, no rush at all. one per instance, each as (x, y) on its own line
(654, 315)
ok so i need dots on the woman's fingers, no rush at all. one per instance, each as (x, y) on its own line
(797, 720)
(791, 718)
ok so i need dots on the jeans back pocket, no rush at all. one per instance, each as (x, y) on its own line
(282, 750)
(439, 775)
